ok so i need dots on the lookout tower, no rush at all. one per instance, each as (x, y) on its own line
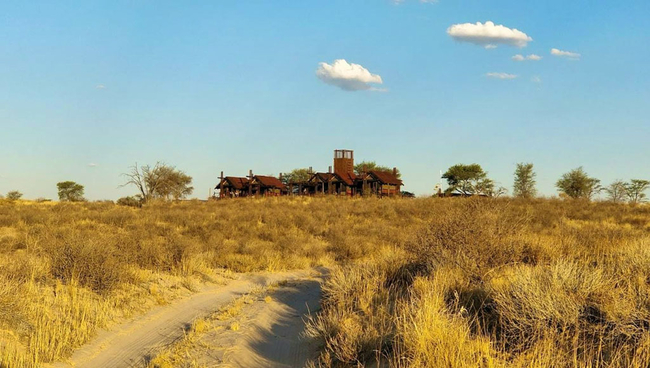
(343, 161)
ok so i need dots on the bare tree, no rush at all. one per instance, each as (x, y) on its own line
(617, 191)
(160, 181)
(136, 177)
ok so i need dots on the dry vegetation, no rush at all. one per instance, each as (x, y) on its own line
(426, 282)
(68, 269)
(499, 283)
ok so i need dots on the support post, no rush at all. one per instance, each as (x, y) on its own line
(329, 181)
(221, 193)
(250, 183)
(365, 183)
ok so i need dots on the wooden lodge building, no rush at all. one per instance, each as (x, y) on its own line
(341, 181)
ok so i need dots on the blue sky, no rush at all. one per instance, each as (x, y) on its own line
(89, 88)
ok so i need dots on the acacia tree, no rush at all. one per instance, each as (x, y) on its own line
(617, 191)
(14, 195)
(635, 190)
(160, 181)
(69, 191)
(524, 186)
(296, 176)
(578, 185)
(372, 166)
(469, 180)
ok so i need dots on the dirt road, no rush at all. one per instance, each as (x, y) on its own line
(271, 332)
(133, 343)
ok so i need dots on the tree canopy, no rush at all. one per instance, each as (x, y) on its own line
(69, 191)
(524, 186)
(372, 166)
(635, 190)
(578, 185)
(14, 195)
(617, 191)
(296, 176)
(469, 180)
(161, 181)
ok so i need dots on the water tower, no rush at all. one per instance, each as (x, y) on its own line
(344, 161)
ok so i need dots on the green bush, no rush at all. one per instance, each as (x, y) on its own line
(129, 202)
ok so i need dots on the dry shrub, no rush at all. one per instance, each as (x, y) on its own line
(11, 308)
(475, 235)
(93, 266)
(431, 335)
(536, 303)
(356, 321)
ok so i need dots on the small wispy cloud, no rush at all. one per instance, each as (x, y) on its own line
(531, 57)
(376, 89)
(536, 79)
(100, 86)
(92, 164)
(501, 75)
(566, 54)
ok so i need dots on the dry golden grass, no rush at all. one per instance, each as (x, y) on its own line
(495, 283)
(426, 282)
(68, 269)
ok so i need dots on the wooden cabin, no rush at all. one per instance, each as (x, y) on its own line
(267, 186)
(232, 187)
(379, 183)
(346, 183)
(321, 183)
(386, 184)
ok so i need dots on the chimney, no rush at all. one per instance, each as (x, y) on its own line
(330, 170)
(310, 170)
(280, 177)
(395, 171)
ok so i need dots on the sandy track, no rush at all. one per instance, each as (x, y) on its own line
(134, 342)
(271, 332)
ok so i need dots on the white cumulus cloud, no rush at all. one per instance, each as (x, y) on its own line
(567, 54)
(501, 75)
(488, 34)
(347, 76)
(532, 57)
